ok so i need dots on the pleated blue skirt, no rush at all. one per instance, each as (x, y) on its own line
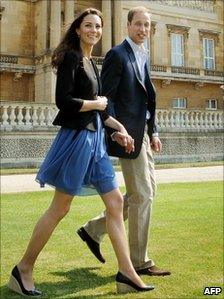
(77, 162)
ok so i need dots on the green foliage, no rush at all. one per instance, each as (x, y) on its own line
(186, 237)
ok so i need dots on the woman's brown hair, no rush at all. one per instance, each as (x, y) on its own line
(70, 41)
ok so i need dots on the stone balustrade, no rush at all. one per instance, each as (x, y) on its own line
(189, 120)
(34, 116)
(26, 116)
(185, 70)
(213, 73)
(9, 59)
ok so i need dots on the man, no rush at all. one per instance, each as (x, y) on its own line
(126, 83)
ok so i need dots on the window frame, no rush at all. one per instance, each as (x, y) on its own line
(175, 55)
(208, 104)
(208, 59)
(178, 100)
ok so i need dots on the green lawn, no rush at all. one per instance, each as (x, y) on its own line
(186, 237)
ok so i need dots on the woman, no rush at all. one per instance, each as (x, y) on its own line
(78, 157)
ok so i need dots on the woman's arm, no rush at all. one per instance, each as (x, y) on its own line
(65, 83)
(121, 136)
(99, 104)
(115, 124)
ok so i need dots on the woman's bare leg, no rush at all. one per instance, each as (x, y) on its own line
(42, 231)
(115, 226)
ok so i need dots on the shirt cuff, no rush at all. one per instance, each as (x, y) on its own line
(155, 134)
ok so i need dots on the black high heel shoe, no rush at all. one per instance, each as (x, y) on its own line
(15, 283)
(125, 285)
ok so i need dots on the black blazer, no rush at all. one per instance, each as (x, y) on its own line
(72, 87)
(129, 98)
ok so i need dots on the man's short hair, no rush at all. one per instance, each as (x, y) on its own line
(136, 9)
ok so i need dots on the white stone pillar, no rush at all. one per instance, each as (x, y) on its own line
(69, 12)
(118, 24)
(107, 28)
(50, 84)
(55, 23)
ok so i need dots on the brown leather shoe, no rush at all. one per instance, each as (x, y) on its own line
(153, 271)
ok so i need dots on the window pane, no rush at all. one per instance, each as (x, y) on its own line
(211, 104)
(177, 49)
(179, 103)
(208, 50)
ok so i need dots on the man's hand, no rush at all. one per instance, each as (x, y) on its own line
(125, 140)
(156, 144)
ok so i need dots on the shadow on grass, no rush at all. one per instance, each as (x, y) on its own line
(73, 281)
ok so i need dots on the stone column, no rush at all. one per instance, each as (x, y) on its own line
(55, 23)
(107, 28)
(117, 22)
(69, 12)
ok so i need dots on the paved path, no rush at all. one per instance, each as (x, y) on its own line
(26, 182)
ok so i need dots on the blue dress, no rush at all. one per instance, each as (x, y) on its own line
(78, 160)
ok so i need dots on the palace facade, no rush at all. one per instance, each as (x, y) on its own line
(185, 45)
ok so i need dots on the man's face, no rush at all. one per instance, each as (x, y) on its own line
(139, 28)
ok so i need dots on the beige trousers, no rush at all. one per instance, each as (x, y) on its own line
(140, 186)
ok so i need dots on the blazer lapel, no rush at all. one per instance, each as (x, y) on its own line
(98, 77)
(134, 62)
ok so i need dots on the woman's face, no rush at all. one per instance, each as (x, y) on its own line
(90, 30)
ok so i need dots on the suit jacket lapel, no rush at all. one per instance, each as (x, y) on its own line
(147, 69)
(133, 62)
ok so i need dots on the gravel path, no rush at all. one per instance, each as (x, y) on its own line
(26, 182)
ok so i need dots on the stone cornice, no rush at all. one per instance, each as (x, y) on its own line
(202, 5)
(177, 29)
(15, 68)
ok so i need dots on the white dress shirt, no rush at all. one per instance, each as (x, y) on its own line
(141, 55)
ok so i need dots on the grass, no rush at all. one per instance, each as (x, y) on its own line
(117, 167)
(186, 237)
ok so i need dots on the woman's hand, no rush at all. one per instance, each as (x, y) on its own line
(101, 103)
(125, 140)
(121, 136)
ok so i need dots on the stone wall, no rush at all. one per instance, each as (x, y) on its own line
(27, 149)
(196, 97)
(30, 30)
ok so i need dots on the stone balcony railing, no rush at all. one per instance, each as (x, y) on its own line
(189, 120)
(37, 116)
(26, 116)
(183, 72)
(25, 64)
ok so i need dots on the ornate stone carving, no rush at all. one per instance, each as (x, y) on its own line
(210, 34)
(44, 57)
(178, 29)
(203, 5)
(199, 85)
(165, 83)
(17, 76)
(153, 27)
